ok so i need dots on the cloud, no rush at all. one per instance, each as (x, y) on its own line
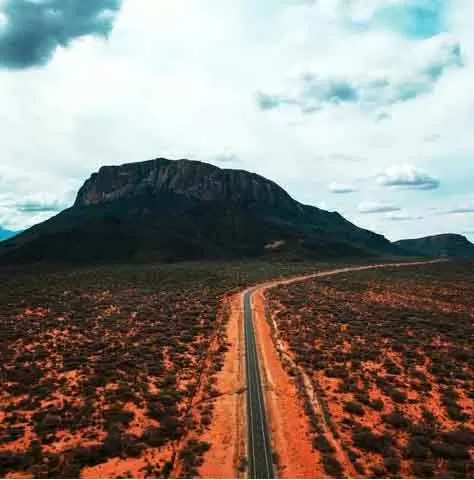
(35, 207)
(227, 159)
(376, 207)
(403, 217)
(32, 30)
(414, 18)
(269, 102)
(311, 91)
(341, 188)
(460, 210)
(314, 91)
(25, 201)
(407, 176)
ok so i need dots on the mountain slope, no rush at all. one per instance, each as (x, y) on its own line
(179, 210)
(448, 244)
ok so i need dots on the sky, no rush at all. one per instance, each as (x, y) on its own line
(365, 107)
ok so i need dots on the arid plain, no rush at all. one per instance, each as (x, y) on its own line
(138, 371)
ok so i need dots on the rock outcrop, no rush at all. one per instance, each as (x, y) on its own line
(192, 179)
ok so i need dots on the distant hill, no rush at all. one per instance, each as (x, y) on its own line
(6, 234)
(449, 244)
(166, 210)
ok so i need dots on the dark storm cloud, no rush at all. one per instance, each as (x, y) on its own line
(31, 30)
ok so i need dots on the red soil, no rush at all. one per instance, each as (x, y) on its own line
(288, 424)
(226, 433)
(311, 306)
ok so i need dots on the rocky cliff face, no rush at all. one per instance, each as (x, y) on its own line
(191, 179)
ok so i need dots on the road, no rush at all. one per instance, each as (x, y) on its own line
(260, 458)
(260, 461)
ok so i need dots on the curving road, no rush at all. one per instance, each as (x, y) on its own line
(260, 461)
(260, 458)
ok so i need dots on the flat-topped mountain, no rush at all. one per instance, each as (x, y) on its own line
(447, 244)
(190, 179)
(169, 210)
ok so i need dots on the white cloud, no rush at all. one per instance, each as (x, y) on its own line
(466, 208)
(407, 176)
(26, 200)
(341, 188)
(403, 79)
(376, 207)
(402, 217)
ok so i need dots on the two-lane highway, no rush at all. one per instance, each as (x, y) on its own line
(260, 461)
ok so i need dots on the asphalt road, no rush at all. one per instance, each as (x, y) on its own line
(260, 462)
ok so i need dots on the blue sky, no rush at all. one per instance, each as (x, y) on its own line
(365, 107)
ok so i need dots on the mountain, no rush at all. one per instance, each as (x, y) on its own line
(170, 210)
(448, 244)
(6, 234)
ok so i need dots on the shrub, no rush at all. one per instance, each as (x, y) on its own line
(331, 466)
(391, 367)
(191, 455)
(10, 461)
(456, 413)
(463, 436)
(12, 433)
(171, 428)
(366, 440)
(69, 470)
(353, 455)
(450, 451)
(321, 443)
(88, 456)
(392, 464)
(460, 469)
(423, 469)
(397, 396)
(359, 468)
(397, 419)
(417, 448)
(153, 437)
(336, 372)
(362, 397)
(354, 408)
(378, 472)
(116, 415)
(377, 404)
